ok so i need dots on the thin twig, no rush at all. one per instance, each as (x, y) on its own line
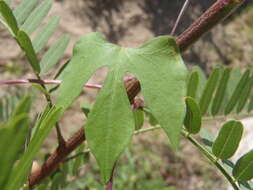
(182, 11)
(208, 20)
(45, 82)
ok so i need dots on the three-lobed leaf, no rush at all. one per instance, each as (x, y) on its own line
(228, 139)
(110, 126)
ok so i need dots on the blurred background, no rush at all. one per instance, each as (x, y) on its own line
(148, 163)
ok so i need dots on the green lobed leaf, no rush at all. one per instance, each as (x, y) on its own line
(221, 91)
(110, 125)
(36, 17)
(27, 47)
(207, 94)
(228, 139)
(244, 95)
(192, 120)
(237, 92)
(44, 35)
(6, 12)
(139, 118)
(23, 10)
(16, 128)
(21, 170)
(54, 54)
(193, 84)
(243, 170)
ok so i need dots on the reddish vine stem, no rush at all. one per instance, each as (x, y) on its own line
(216, 13)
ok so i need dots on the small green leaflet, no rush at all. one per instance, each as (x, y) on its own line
(244, 95)
(228, 139)
(54, 53)
(201, 82)
(243, 170)
(221, 91)
(207, 94)
(24, 9)
(26, 45)
(158, 66)
(237, 92)
(45, 33)
(193, 84)
(36, 17)
(6, 12)
(192, 120)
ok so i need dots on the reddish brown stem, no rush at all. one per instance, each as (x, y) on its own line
(56, 158)
(215, 14)
(220, 10)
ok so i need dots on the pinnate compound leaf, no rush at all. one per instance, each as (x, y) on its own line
(27, 47)
(192, 120)
(6, 12)
(228, 139)
(243, 170)
(54, 54)
(23, 10)
(36, 17)
(193, 84)
(110, 126)
(237, 92)
(44, 126)
(207, 94)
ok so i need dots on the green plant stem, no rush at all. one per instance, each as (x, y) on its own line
(60, 138)
(203, 150)
(211, 158)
